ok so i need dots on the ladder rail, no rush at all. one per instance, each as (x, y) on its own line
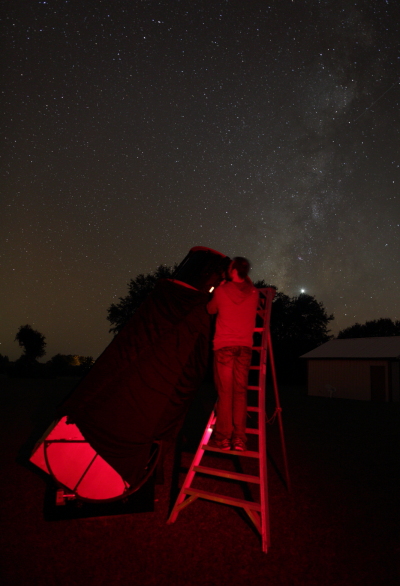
(196, 460)
(264, 513)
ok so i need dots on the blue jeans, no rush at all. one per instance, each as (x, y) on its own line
(231, 370)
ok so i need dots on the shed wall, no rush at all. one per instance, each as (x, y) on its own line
(345, 379)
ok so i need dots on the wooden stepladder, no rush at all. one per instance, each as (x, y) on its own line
(257, 510)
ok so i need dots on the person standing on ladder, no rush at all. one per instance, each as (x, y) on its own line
(235, 304)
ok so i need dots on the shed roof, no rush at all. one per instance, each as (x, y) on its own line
(387, 347)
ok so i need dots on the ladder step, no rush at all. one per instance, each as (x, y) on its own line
(255, 368)
(219, 498)
(252, 430)
(255, 409)
(227, 474)
(258, 329)
(247, 453)
(253, 388)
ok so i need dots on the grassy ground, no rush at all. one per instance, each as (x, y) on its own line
(338, 526)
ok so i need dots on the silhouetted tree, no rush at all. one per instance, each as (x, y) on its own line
(4, 363)
(32, 341)
(86, 362)
(139, 288)
(302, 319)
(298, 325)
(69, 365)
(376, 328)
(262, 284)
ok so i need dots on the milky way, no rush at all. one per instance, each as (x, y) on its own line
(134, 130)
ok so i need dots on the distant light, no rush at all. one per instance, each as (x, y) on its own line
(211, 290)
(302, 290)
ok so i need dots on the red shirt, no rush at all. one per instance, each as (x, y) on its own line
(235, 305)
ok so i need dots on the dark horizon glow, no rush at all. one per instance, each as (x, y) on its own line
(134, 131)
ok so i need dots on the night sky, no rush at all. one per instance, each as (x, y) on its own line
(134, 130)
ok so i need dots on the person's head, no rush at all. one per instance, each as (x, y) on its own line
(241, 265)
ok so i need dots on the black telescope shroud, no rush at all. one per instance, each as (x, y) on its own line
(139, 389)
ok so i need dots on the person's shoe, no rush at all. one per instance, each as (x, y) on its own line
(238, 445)
(223, 444)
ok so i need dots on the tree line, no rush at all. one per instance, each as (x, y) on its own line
(34, 344)
(298, 324)
(375, 328)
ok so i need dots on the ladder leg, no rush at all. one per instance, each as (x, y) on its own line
(262, 448)
(264, 529)
(279, 411)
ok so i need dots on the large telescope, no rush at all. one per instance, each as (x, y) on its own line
(105, 443)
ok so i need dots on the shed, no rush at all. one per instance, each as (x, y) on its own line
(356, 368)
